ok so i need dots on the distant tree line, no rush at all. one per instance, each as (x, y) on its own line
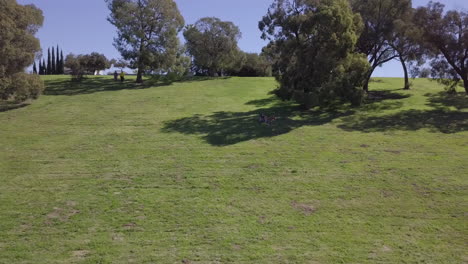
(321, 52)
(151, 45)
(55, 63)
(85, 64)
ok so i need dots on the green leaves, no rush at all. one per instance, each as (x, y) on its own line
(147, 32)
(213, 44)
(315, 41)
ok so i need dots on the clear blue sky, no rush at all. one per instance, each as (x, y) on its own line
(80, 26)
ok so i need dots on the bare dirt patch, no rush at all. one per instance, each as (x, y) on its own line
(118, 237)
(62, 214)
(304, 208)
(236, 247)
(130, 226)
(80, 253)
(262, 219)
(421, 190)
(385, 249)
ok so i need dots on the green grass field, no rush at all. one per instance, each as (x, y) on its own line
(183, 173)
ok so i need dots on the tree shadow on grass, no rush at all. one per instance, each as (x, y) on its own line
(444, 101)
(439, 119)
(410, 120)
(270, 101)
(91, 85)
(228, 128)
(378, 101)
(382, 95)
(8, 106)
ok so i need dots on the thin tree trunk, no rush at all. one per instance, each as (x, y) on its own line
(407, 86)
(140, 64)
(367, 80)
(139, 76)
(465, 83)
(212, 73)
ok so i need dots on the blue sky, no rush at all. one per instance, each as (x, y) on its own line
(81, 26)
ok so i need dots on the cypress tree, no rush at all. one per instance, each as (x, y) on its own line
(62, 64)
(49, 62)
(34, 68)
(53, 67)
(57, 61)
(44, 67)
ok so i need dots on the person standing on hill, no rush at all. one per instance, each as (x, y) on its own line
(116, 75)
(122, 76)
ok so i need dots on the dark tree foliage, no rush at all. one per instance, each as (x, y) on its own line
(445, 35)
(76, 66)
(379, 17)
(43, 68)
(53, 67)
(57, 61)
(213, 45)
(404, 40)
(147, 33)
(314, 43)
(62, 63)
(94, 62)
(81, 65)
(252, 65)
(49, 62)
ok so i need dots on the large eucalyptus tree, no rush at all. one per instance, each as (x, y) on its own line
(147, 33)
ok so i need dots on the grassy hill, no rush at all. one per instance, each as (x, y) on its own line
(105, 172)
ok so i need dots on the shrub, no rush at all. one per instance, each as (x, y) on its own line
(75, 64)
(20, 87)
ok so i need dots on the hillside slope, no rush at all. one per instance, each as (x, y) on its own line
(105, 172)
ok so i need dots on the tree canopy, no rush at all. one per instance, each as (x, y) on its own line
(95, 62)
(315, 42)
(445, 35)
(379, 19)
(147, 32)
(213, 45)
(18, 47)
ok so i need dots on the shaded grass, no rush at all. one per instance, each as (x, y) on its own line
(184, 173)
(62, 85)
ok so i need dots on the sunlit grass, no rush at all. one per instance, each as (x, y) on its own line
(104, 172)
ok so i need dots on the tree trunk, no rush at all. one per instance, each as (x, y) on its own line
(465, 83)
(139, 76)
(407, 86)
(367, 80)
(140, 64)
(212, 73)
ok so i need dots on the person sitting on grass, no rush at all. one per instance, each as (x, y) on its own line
(269, 120)
(265, 119)
(261, 118)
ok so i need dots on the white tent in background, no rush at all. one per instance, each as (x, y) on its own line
(98, 72)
